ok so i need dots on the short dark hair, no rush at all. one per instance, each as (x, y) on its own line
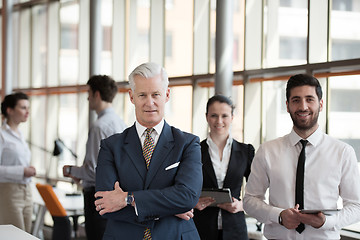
(11, 100)
(302, 80)
(221, 99)
(105, 85)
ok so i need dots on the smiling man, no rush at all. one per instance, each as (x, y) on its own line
(149, 177)
(304, 170)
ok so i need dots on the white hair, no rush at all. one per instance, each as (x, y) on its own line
(149, 70)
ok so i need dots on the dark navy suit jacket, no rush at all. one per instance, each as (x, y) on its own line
(234, 225)
(172, 185)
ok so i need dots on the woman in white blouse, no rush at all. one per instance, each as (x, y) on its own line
(225, 164)
(15, 169)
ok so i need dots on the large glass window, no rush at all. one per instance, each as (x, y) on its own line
(344, 110)
(138, 36)
(178, 111)
(285, 32)
(345, 41)
(68, 128)
(69, 38)
(106, 22)
(39, 49)
(274, 113)
(179, 37)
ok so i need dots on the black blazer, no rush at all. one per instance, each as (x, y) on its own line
(234, 226)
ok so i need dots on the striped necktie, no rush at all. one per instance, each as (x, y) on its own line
(148, 149)
(148, 146)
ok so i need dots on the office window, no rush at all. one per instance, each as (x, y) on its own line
(285, 33)
(237, 129)
(344, 41)
(39, 47)
(344, 110)
(277, 121)
(293, 3)
(106, 23)
(178, 110)
(37, 120)
(138, 44)
(239, 31)
(23, 65)
(212, 35)
(169, 45)
(69, 37)
(179, 25)
(342, 5)
(68, 128)
(292, 48)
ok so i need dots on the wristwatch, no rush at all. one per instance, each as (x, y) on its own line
(280, 220)
(68, 170)
(129, 199)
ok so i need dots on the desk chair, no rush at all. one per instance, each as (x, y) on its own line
(62, 226)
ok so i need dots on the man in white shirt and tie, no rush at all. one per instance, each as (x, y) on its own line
(330, 171)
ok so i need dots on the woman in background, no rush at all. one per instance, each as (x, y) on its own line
(225, 163)
(15, 169)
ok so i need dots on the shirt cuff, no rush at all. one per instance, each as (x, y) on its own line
(329, 223)
(15, 173)
(274, 214)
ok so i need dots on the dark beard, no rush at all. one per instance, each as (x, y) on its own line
(303, 126)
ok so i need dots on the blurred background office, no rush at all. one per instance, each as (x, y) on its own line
(245, 49)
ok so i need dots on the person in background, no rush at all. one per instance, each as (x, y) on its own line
(305, 169)
(101, 92)
(148, 178)
(225, 164)
(15, 168)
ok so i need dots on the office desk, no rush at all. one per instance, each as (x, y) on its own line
(11, 232)
(74, 206)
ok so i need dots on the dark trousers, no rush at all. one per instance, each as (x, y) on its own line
(61, 229)
(94, 223)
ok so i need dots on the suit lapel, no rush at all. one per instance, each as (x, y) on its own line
(132, 147)
(163, 147)
(207, 164)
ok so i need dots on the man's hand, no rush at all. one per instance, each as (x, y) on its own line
(315, 220)
(290, 218)
(66, 171)
(29, 171)
(67, 174)
(233, 207)
(110, 201)
(186, 216)
(204, 202)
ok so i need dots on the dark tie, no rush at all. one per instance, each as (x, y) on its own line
(299, 189)
(148, 149)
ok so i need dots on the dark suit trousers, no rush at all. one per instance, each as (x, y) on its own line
(94, 224)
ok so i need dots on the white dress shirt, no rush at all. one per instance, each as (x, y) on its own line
(155, 134)
(15, 155)
(220, 166)
(331, 171)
